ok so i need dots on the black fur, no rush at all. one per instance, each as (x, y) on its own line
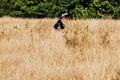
(59, 24)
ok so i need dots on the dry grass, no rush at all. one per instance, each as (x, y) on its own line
(30, 49)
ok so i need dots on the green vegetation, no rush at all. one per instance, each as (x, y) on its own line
(53, 8)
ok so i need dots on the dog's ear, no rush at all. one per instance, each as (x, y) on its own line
(62, 26)
(56, 26)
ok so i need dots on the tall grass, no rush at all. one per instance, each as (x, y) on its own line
(30, 49)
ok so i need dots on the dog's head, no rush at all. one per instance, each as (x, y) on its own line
(59, 26)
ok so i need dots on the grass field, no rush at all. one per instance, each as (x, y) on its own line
(30, 49)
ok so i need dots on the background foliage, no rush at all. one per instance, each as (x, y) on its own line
(54, 8)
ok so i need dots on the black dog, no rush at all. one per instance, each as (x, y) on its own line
(59, 24)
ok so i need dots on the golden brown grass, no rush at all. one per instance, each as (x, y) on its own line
(30, 49)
